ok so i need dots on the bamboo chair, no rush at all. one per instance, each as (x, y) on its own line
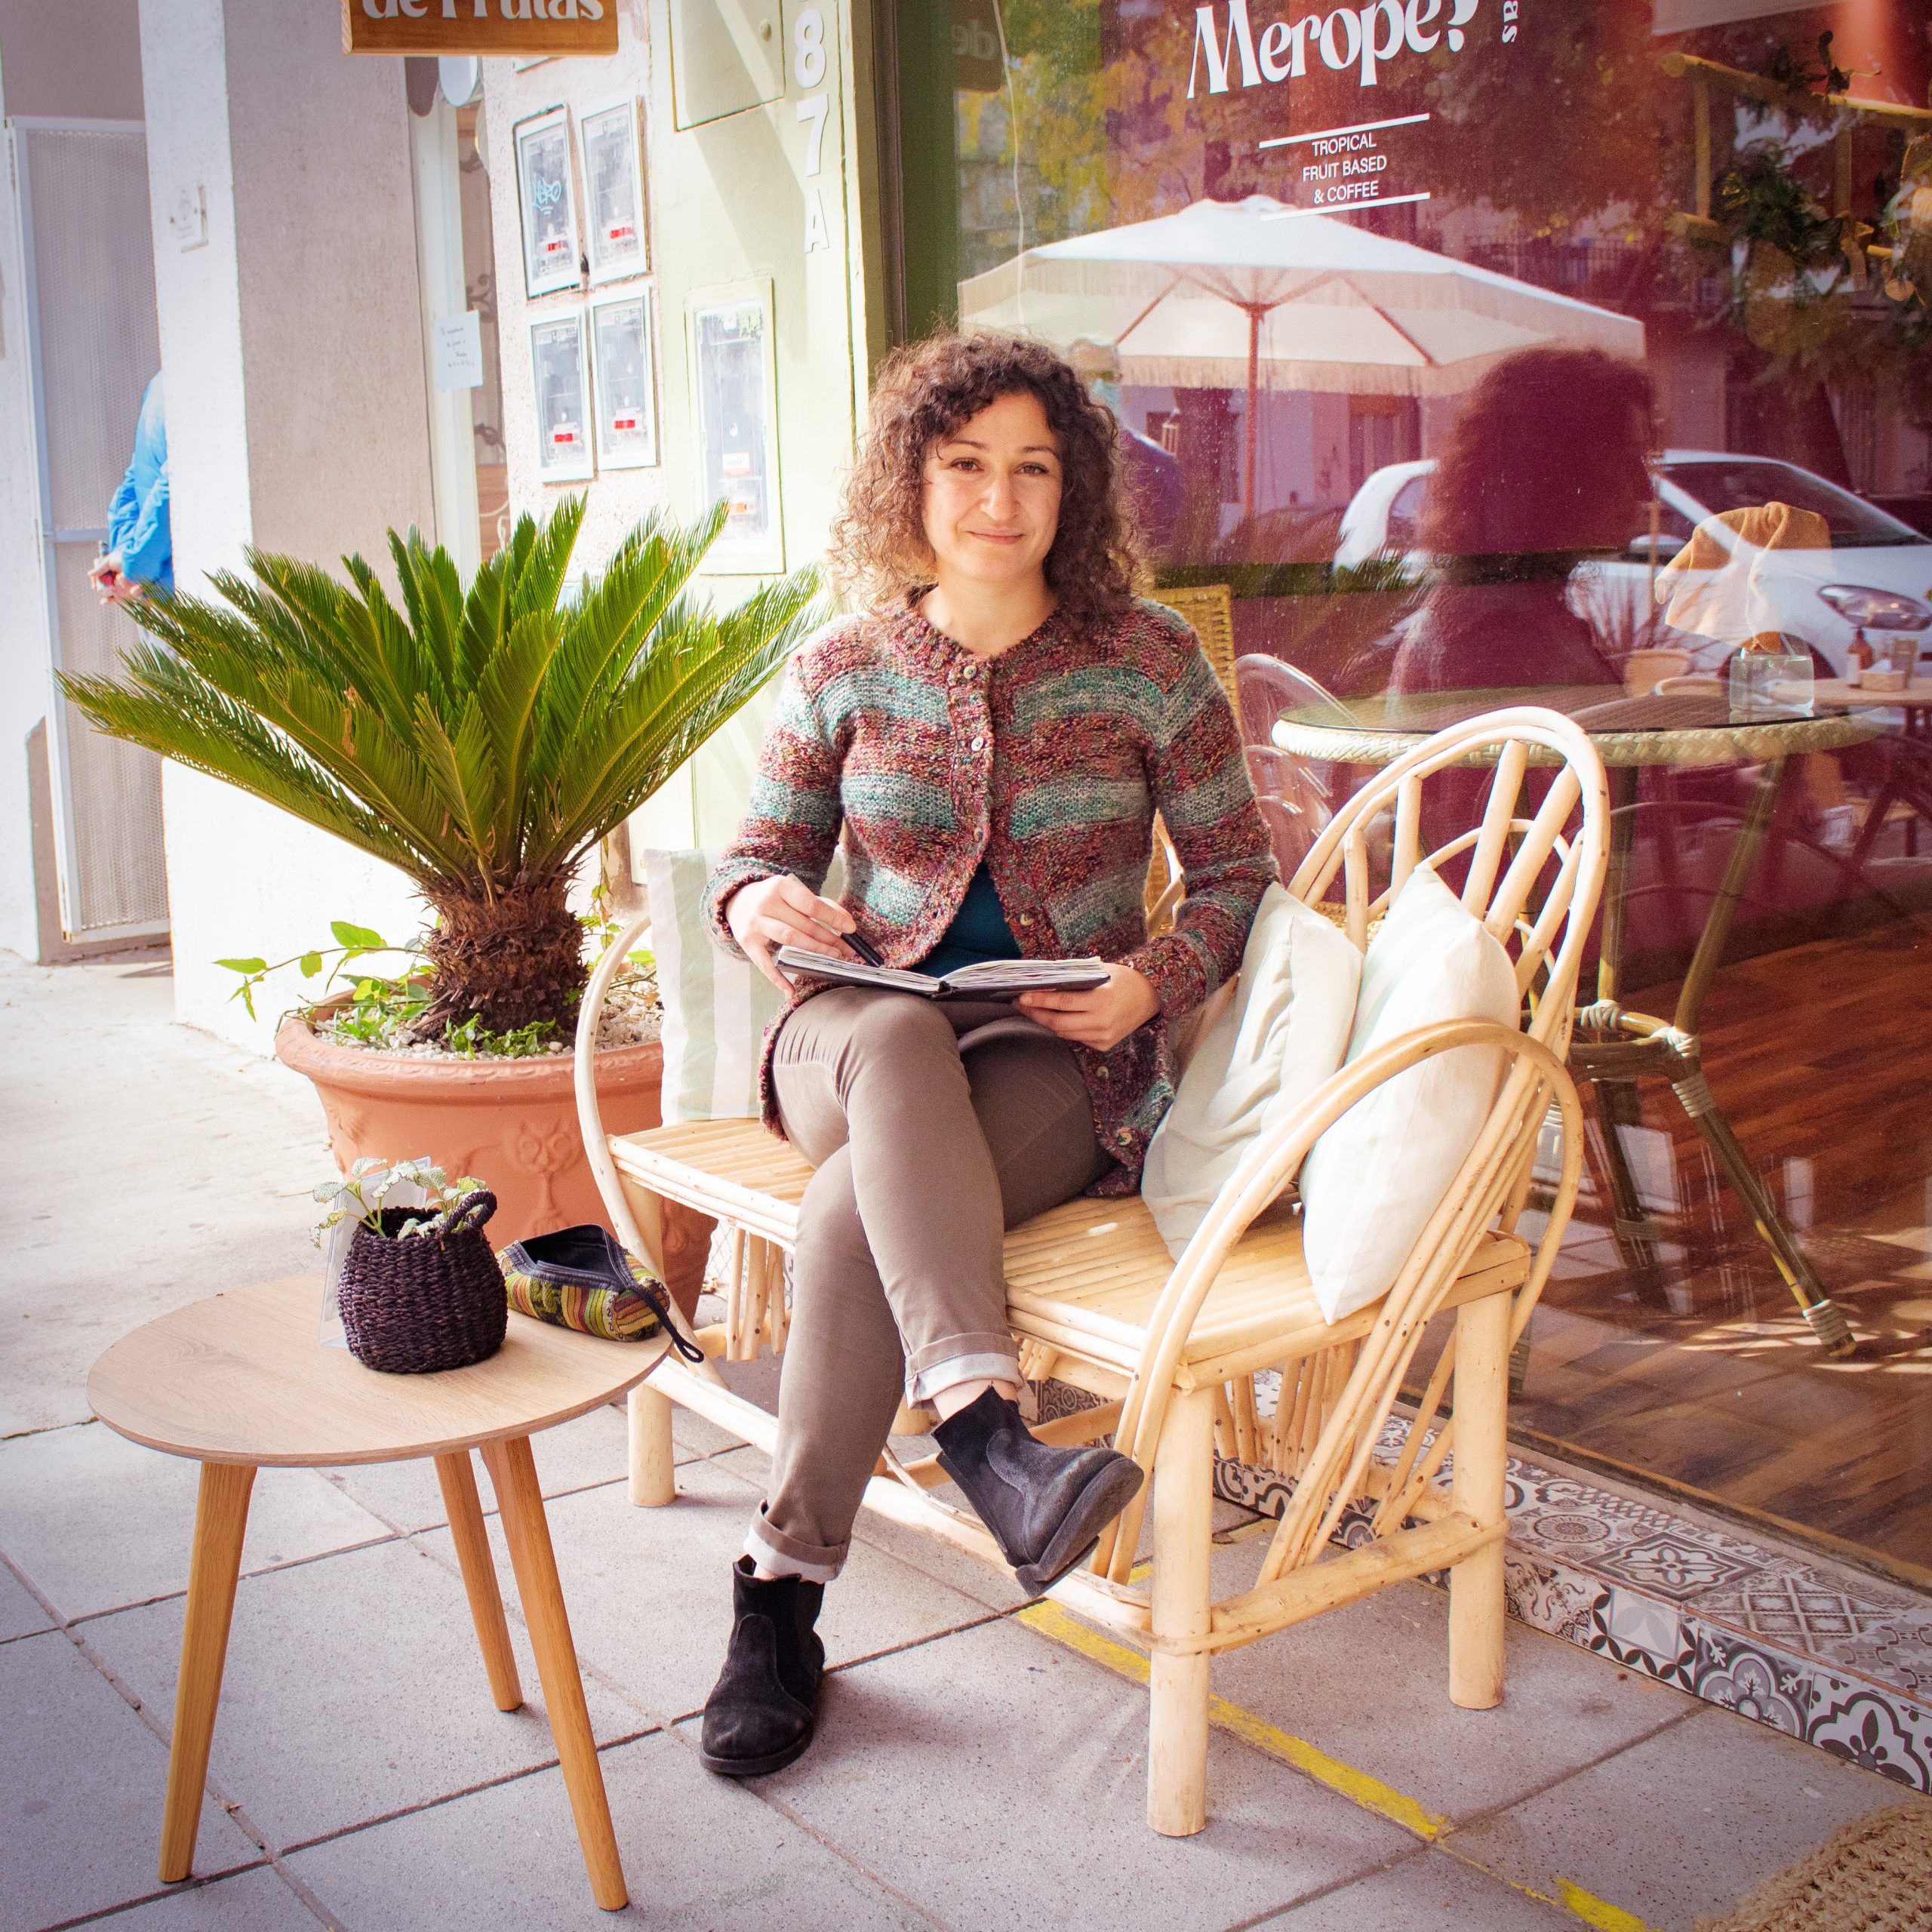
(1170, 1351)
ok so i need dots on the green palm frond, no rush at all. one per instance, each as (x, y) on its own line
(480, 739)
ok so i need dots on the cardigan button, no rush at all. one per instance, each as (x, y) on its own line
(1025, 918)
(979, 744)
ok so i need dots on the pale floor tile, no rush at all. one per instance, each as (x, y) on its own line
(255, 1901)
(154, 1166)
(98, 1521)
(700, 1854)
(19, 1615)
(999, 1781)
(353, 1688)
(1429, 1891)
(83, 1779)
(1681, 1825)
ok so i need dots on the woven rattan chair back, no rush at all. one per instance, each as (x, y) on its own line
(1531, 866)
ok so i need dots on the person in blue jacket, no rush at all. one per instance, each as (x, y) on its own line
(140, 547)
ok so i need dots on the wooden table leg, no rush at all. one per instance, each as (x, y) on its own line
(221, 1521)
(527, 1532)
(458, 1481)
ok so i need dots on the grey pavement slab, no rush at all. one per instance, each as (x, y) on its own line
(257, 1901)
(98, 1521)
(353, 1688)
(700, 1854)
(209, 1151)
(997, 1780)
(650, 1590)
(577, 1454)
(1681, 1825)
(691, 1435)
(1369, 1683)
(21, 1616)
(82, 1779)
(1429, 1891)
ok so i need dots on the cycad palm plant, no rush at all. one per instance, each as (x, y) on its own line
(482, 742)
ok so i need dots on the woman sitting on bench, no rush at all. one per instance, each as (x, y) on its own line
(993, 735)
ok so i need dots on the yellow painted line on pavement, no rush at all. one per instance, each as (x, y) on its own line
(1594, 1911)
(1048, 1619)
(1370, 1793)
(1570, 1896)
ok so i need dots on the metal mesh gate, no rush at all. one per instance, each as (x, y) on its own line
(84, 223)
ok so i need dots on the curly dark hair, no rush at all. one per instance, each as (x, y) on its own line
(926, 391)
(1548, 442)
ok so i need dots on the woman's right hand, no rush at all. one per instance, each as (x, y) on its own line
(784, 911)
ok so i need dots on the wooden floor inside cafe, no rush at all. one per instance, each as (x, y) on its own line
(1697, 1370)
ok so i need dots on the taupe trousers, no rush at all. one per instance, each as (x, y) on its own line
(929, 1142)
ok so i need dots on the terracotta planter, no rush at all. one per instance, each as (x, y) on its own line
(512, 1122)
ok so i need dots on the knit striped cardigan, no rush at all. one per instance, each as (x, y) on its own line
(1050, 761)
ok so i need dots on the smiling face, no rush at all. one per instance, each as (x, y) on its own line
(992, 496)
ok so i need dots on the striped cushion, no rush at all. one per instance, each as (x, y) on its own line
(716, 1007)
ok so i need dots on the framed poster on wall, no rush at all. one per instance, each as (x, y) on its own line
(733, 391)
(560, 389)
(613, 192)
(550, 257)
(622, 367)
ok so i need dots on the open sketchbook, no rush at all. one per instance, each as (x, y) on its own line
(989, 979)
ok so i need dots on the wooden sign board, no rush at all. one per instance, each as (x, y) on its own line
(479, 26)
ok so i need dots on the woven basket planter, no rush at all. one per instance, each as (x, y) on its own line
(426, 1302)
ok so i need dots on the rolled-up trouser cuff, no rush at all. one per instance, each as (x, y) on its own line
(985, 1366)
(787, 1556)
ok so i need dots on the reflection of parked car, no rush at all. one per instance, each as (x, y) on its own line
(1876, 576)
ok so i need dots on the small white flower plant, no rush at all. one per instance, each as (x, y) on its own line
(365, 1191)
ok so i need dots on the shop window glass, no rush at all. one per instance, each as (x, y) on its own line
(1570, 352)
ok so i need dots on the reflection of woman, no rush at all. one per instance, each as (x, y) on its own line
(1545, 466)
(993, 735)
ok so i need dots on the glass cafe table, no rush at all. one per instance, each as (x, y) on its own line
(1614, 1048)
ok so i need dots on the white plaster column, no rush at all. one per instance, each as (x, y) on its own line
(292, 345)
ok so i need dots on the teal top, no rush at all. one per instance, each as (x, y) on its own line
(979, 930)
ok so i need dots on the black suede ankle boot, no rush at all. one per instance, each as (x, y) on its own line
(760, 1713)
(1046, 1506)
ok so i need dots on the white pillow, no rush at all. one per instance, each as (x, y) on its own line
(1375, 1178)
(1282, 1033)
(716, 1007)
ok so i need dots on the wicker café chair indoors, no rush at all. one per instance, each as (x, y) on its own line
(1171, 1349)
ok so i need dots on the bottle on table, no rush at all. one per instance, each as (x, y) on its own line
(1857, 659)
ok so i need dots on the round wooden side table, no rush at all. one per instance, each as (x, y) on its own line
(242, 1379)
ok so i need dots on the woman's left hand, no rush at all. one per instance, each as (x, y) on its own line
(1100, 1019)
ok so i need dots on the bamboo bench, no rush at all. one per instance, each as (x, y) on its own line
(1168, 1351)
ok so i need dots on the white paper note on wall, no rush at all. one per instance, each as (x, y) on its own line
(459, 351)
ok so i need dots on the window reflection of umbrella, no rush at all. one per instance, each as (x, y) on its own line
(1228, 292)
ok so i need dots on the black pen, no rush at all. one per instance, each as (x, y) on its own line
(864, 948)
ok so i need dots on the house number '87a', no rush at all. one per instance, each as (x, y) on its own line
(807, 71)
